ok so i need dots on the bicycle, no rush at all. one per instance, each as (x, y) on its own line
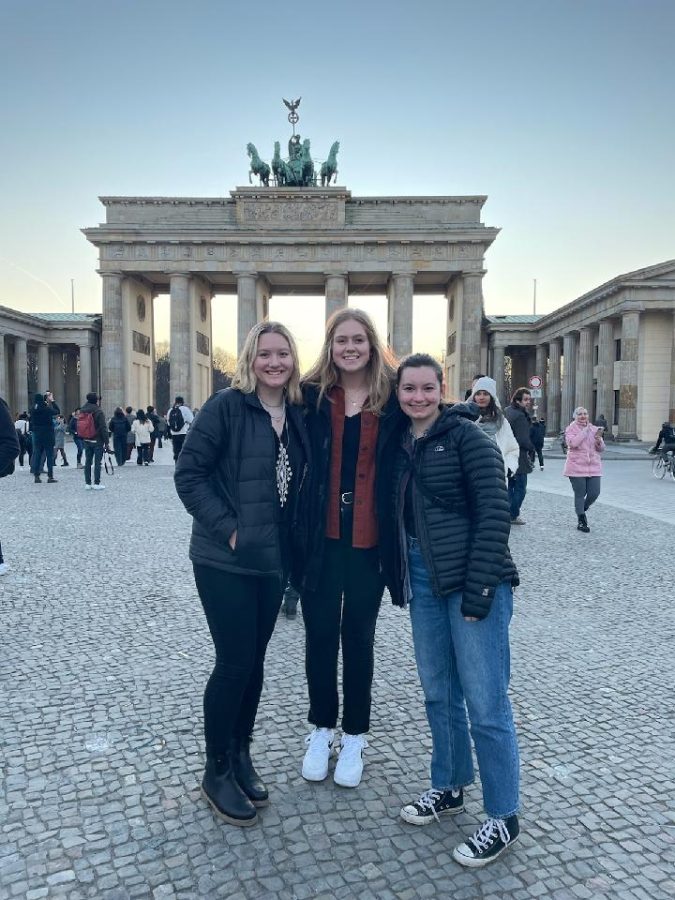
(664, 464)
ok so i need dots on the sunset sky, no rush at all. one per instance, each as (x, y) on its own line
(560, 111)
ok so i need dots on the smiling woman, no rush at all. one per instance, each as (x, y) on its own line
(239, 475)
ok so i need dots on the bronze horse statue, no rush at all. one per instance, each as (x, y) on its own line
(280, 169)
(329, 168)
(258, 167)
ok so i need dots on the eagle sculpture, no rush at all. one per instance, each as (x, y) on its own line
(293, 105)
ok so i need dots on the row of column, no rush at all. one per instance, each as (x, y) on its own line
(570, 380)
(49, 376)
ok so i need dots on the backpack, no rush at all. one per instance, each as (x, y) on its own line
(86, 427)
(176, 420)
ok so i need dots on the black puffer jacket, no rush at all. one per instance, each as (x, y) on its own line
(461, 511)
(9, 441)
(315, 501)
(226, 478)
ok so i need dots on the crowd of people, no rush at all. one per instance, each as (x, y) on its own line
(330, 487)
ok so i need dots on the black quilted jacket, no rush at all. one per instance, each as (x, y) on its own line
(461, 511)
(226, 477)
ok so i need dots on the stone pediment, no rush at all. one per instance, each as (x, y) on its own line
(290, 208)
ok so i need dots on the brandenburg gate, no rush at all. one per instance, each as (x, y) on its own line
(264, 241)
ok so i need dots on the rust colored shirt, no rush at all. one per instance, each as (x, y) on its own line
(364, 534)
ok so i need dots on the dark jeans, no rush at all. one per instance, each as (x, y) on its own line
(142, 454)
(79, 443)
(120, 448)
(540, 455)
(291, 597)
(345, 604)
(241, 611)
(517, 491)
(23, 449)
(586, 492)
(40, 446)
(130, 447)
(151, 451)
(178, 441)
(93, 452)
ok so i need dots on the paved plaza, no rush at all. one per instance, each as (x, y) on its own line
(105, 653)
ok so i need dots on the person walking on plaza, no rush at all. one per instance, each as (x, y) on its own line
(179, 418)
(42, 416)
(92, 428)
(666, 437)
(444, 516)
(156, 434)
(9, 450)
(77, 440)
(583, 464)
(131, 438)
(537, 435)
(519, 420)
(21, 428)
(119, 428)
(239, 475)
(493, 422)
(142, 429)
(348, 407)
(60, 441)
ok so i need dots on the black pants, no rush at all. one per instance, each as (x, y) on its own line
(241, 611)
(42, 445)
(345, 604)
(178, 440)
(120, 448)
(540, 454)
(142, 454)
(93, 453)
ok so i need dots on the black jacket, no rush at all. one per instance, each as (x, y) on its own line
(519, 421)
(119, 426)
(226, 478)
(9, 442)
(461, 510)
(99, 422)
(42, 417)
(314, 506)
(537, 434)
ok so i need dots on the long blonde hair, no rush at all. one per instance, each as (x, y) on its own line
(244, 378)
(382, 366)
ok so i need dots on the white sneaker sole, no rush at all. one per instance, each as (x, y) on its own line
(471, 863)
(415, 819)
(314, 776)
(341, 781)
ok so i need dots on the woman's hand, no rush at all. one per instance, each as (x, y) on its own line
(232, 540)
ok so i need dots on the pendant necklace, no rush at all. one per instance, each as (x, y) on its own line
(283, 467)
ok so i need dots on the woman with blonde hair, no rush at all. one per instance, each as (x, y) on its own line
(239, 475)
(349, 407)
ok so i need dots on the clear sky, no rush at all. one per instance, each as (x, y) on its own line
(561, 111)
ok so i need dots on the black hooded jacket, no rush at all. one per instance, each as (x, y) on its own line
(461, 510)
(226, 479)
(9, 442)
(42, 419)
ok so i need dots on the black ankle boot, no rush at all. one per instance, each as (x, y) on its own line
(226, 798)
(38, 480)
(582, 525)
(247, 778)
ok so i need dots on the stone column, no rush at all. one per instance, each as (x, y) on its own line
(400, 306)
(246, 306)
(605, 397)
(671, 417)
(86, 382)
(3, 371)
(583, 395)
(43, 367)
(71, 398)
(553, 389)
(540, 359)
(21, 373)
(113, 388)
(472, 318)
(337, 293)
(57, 381)
(569, 378)
(498, 372)
(628, 396)
(179, 346)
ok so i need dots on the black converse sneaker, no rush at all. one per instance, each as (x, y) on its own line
(433, 804)
(489, 842)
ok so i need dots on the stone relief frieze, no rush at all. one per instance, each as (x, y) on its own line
(289, 214)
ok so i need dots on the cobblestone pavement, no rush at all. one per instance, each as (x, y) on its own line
(105, 653)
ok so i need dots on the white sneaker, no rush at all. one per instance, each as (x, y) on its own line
(349, 768)
(4, 568)
(99, 487)
(88, 487)
(315, 763)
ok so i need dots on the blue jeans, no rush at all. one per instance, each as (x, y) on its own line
(93, 452)
(79, 443)
(517, 491)
(460, 663)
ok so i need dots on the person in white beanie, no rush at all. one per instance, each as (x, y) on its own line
(494, 423)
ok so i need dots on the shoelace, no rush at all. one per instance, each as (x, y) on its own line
(488, 831)
(428, 801)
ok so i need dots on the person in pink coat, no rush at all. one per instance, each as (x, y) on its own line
(583, 465)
